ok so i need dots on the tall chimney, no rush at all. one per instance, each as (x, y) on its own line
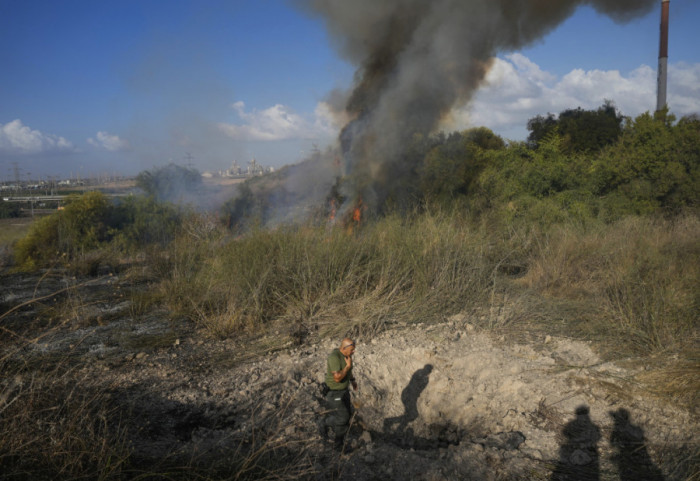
(663, 57)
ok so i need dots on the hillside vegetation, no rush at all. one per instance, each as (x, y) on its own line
(576, 233)
(595, 230)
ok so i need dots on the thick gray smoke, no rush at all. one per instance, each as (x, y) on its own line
(417, 59)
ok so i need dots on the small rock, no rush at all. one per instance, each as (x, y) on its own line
(141, 355)
(548, 339)
(177, 342)
(477, 447)
(129, 357)
(366, 437)
(532, 453)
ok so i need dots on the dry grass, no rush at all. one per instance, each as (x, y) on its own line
(677, 378)
(641, 273)
(632, 285)
(58, 420)
(311, 276)
(58, 425)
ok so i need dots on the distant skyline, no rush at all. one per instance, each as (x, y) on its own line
(121, 86)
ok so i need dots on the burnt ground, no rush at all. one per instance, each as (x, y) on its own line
(441, 400)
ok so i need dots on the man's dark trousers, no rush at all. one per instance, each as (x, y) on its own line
(338, 402)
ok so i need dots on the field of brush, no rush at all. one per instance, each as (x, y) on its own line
(627, 287)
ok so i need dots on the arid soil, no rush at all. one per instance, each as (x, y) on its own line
(438, 401)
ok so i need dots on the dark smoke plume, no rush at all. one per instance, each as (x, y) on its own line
(417, 59)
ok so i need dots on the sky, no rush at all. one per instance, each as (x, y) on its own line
(114, 87)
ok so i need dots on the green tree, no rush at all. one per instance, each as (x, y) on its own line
(656, 164)
(9, 210)
(451, 166)
(581, 130)
(169, 183)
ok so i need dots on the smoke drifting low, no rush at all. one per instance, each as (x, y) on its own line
(417, 59)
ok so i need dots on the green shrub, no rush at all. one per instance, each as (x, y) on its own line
(91, 222)
(9, 210)
(82, 226)
(140, 221)
(39, 246)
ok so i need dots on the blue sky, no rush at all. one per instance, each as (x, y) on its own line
(118, 86)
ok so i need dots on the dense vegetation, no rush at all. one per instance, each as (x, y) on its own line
(9, 210)
(581, 166)
(90, 224)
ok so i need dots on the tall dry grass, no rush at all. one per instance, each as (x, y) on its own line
(641, 273)
(58, 425)
(392, 269)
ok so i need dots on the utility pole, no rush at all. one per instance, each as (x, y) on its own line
(663, 58)
(15, 167)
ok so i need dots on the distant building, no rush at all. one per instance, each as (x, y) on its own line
(238, 172)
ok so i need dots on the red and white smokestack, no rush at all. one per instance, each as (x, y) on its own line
(663, 57)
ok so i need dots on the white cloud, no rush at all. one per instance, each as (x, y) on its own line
(17, 138)
(516, 89)
(109, 142)
(279, 123)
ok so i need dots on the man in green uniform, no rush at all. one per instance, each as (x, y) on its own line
(338, 377)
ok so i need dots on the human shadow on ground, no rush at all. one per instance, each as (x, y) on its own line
(409, 398)
(397, 430)
(578, 455)
(631, 457)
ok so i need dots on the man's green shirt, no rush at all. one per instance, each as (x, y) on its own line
(336, 362)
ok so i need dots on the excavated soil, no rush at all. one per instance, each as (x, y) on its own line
(441, 400)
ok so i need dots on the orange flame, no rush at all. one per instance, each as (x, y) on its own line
(331, 218)
(354, 223)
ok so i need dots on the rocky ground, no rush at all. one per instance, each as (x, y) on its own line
(441, 400)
